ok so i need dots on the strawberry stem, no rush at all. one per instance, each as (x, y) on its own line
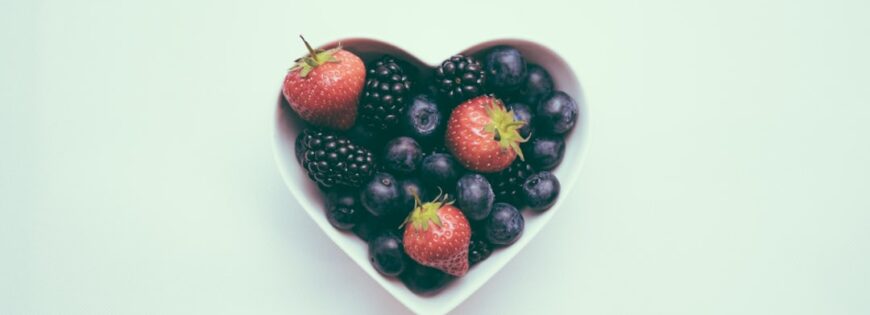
(315, 58)
(424, 213)
(505, 127)
(310, 50)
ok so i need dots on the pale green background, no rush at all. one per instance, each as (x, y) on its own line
(728, 170)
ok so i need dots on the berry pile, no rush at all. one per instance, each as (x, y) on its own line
(433, 179)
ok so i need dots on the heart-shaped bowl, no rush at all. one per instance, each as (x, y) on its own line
(287, 126)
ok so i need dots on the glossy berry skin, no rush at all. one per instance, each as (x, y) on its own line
(459, 78)
(524, 113)
(370, 227)
(556, 114)
(545, 152)
(409, 187)
(508, 183)
(343, 210)
(402, 155)
(331, 160)
(423, 280)
(483, 135)
(505, 224)
(327, 96)
(387, 254)
(381, 195)
(478, 250)
(424, 121)
(505, 69)
(541, 190)
(384, 97)
(437, 235)
(474, 196)
(538, 84)
(440, 170)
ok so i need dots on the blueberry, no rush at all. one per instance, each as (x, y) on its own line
(387, 254)
(504, 226)
(411, 186)
(523, 112)
(545, 152)
(424, 280)
(556, 114)
(440, 169)
(424, 121)
(402, 155)
(370, 227)
(541, 190)
(537, 85)
(381, 195)
(407, 188)
(505, 69)
(474, 196)
(343, 210)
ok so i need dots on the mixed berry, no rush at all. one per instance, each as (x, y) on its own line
(434, 174)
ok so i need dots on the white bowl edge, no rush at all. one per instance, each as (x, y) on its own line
(306, 193)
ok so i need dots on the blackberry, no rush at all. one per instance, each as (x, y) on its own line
(460, 78)
(478, 250)
(333, 160)
(508, 184)
(386, 90)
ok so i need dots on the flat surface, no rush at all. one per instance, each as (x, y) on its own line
(728, 169)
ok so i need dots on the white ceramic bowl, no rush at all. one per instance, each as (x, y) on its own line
(287, 127)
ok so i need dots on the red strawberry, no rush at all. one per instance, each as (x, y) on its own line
(483, 135)
(324, 86)
(437, 235)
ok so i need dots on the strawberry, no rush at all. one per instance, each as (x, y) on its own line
(483, 135)
(324, 86)
(437, 235)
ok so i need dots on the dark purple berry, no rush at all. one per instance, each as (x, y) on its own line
(557, 114)
(505, 69)
(505, 224)
(541, 190)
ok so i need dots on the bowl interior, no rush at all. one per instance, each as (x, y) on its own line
(287, 126)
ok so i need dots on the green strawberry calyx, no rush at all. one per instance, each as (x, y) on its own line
(505, 127)
(424, 213)
(315, 58)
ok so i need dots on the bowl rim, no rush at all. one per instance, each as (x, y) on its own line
(581, 132)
